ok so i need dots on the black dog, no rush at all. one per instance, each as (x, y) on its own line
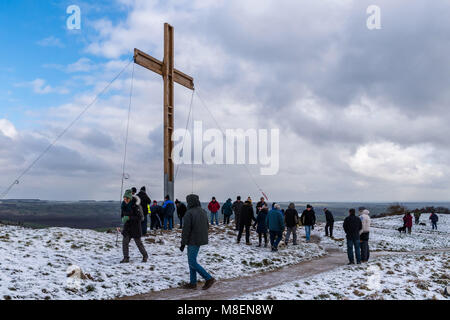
(402, 229)
(422, 224)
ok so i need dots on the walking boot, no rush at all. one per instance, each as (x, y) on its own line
(189, 286)
(208, 284)
(145, 259)
(125, 260)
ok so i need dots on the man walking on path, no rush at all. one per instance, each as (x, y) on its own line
(364, 233)
(352, 227)
(291, 219)
(145, 204)
(330, 223)
(274, 222)
(169, 210)
(132, 226)
(214, 207)
(308, 219)
(246, 217)
(237, 208)
(434, 219)
(194, 235)
(181, 210)
(227, 211)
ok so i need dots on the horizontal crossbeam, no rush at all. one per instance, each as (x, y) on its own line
(148, 62)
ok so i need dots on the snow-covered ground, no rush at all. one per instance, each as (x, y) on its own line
(385, 237)
(35, 264)
(407, 276)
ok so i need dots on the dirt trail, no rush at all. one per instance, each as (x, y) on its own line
(230, 288)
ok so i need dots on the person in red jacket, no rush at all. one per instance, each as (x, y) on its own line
(407, 221)
(214, 207)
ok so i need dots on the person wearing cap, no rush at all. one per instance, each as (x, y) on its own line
(329, 222)
(364, 234)
(132, 226)
(308, 219)
(145, 204)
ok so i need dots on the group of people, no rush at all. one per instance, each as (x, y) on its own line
(357, 230)
(194, 222)
(408, 221)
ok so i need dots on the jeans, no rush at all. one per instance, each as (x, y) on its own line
(226, 219)
(168, 220)
(247, 233)
(308, 232)
(194, 267)
(350, 244)
(236, 220)
(155, 222)
(365, 253)
(181, 222)
(144, 225)
(433, 225)
(292, 230)
(215, 215)
(275, 238)
(329, 229)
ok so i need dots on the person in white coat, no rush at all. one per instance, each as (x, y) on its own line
(364, 234)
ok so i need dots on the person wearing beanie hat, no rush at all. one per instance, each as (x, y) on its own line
(132, 226)
(133, 190)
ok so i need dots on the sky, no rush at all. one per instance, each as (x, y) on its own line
(362, 113)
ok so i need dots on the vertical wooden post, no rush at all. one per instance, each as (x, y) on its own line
(168, 71)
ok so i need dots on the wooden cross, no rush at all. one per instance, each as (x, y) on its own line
(170, 75)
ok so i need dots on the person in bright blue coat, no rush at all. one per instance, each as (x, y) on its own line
(275, 223)
(261, 226)
(168, 209)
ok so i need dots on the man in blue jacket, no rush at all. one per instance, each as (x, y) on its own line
(275, 223)
(168, 209)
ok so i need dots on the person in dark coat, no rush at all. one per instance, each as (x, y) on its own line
(352, 227)
(155, 216)
(169, 210)
(407, 221)
(237, 208)
(308, 219)
(145, 204)
(181, 211)
(259, 205)
(329, 224)
(227, 211)
(291, 220)
(261, 226)
(132, 226)
(434, 219)
(246, 218)
(195, 234)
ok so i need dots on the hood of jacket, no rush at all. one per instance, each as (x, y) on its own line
(193, 201)
(137, 199)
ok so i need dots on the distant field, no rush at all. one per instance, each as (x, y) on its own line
(104, 215)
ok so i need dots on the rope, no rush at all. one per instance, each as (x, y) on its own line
(223, 132)
(17, 180)
(126, 135)
(185, 132)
